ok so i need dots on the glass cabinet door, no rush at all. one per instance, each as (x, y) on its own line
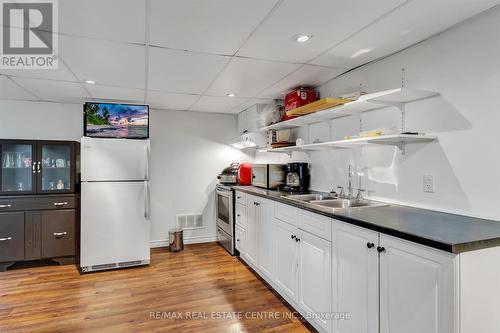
(55, 167)
(17, 169)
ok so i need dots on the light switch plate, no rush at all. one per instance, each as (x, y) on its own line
(428, 183)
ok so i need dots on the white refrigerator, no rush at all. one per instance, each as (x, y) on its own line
(115, 228)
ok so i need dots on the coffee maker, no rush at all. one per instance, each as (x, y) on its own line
(297, 178)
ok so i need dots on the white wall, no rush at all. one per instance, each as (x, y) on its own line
(188, 151)
(463, 65)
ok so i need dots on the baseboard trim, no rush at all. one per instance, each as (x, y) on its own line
(187, 240)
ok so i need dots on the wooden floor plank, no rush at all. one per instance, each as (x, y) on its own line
(196, 282)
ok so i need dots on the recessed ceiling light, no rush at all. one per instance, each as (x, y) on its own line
(230, 95)
(89, 81)
(302, 38)
(360, 52)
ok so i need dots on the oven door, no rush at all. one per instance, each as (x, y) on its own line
(224, 210)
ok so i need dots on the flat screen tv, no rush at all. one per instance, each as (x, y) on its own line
(122, 121)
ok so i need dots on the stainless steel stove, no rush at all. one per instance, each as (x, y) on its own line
(224, 212)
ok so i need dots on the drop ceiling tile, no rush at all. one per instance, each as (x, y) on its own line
(252, 102)
(170, 101)
(9, 90)
(209, 26)
(218, 104)
(306, 76)
(401, 29)
(181, 71)
(329, 22)
(61, 73)
(56, 91)
(248, 77)
(107, 63)
(109, 93)
(119, 20)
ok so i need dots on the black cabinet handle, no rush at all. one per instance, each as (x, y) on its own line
(380, 249)
(293, 237)
(297, 239)
(370, 245)
(257, 204)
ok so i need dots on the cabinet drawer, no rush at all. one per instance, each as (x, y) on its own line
(241, 215)
(286, 213)
(241, 198)
(11, 236)
(38, 203)
(58, 233)
(316, 224)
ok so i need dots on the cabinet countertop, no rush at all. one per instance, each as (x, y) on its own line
(447, 232)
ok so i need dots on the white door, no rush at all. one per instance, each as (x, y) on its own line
(315, 278)
(416, 288)
(266, 239)
(355, 281)
(286, 259)
(114, 159)
(114, 227)
(251, 229)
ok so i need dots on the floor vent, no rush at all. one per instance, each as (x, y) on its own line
(190, 221)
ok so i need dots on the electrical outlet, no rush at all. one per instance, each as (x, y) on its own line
(428, 183)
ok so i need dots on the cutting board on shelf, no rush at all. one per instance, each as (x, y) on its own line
(322, 104)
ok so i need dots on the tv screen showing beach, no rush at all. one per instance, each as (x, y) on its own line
(105, 120)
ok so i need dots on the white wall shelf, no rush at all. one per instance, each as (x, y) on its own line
(369, 102)
(398, 140)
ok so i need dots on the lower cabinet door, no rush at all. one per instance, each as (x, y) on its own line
(286, 259)
(251, 230)
(58, 233)
(416, 288)
(11, 236)
(266, 240)
(240, 239)
(315, 278)
(355, 278)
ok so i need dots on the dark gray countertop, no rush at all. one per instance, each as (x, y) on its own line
(443, 231)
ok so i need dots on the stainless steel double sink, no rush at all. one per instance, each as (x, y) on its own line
(326, 200)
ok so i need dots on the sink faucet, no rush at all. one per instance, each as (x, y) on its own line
(350, 193)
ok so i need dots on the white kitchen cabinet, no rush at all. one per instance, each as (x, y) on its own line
(286, 259)
(248, 119)
(355, 278)
(252, 220)
(242, 122)
(241, 215)
(265, 238)
(416, 288)
(315, 278)
(240, 235)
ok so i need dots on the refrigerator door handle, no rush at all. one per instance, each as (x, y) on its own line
(146, 167)
(146, 200)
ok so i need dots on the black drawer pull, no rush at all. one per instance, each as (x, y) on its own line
(5, 239)
(59, 204)
(6, 206)
(60, 234)
(293, 237)
(380, 249)
(370, 245)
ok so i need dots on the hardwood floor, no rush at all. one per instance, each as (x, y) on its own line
(196, 282)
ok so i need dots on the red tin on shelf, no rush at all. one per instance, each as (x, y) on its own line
(300, 97)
